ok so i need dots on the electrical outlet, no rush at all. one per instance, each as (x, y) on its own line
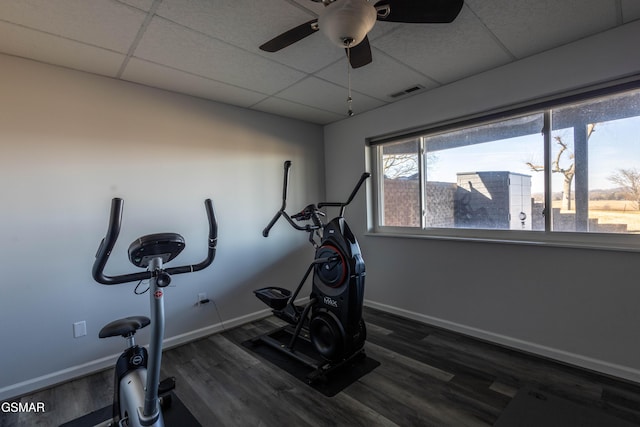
(79, 329)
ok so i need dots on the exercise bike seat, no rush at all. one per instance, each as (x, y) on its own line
(124, 327)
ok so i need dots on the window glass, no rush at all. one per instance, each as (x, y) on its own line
(400, 195)
(481, 177)
(596, 165)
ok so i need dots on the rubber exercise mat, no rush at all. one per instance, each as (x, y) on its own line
(333, 382)
(176, 415)
(534, 408)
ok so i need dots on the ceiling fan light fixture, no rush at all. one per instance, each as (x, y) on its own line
(347, 22)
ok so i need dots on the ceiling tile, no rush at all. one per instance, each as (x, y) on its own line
(107, 24)
(261, 21)
(527, 27)
(382, 28)
(630, 10)
(445, 52)
(154, 75)
(327, 96)
(20, 41)
(297, 111)
(177, 47)
(314, 6)
(140, 4)
(383, 77)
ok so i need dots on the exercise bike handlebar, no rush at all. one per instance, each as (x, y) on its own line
(104, 250)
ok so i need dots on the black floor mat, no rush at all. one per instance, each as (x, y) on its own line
(533, 408)
(332, 383)
(175, 415)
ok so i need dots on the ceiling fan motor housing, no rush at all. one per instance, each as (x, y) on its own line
(347, 22)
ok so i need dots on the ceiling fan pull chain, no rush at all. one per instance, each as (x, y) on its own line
(349, 99)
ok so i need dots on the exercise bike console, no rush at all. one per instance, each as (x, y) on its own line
(165, 245)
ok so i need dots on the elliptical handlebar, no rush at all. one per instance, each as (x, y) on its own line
(113, 230)
(285, 186)
(363, 178)
(306, 213)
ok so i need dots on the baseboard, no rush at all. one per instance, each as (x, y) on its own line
(29, 386)
(578, 360)
(14, 391)
(179, 340)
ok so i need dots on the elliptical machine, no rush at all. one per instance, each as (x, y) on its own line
(137, 372)
(332, 319)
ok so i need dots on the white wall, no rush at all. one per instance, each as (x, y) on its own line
(70, 142)
(579, 306)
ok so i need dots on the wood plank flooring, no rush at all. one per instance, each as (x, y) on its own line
(427, 377)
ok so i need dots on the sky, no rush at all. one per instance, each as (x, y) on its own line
(613, 145)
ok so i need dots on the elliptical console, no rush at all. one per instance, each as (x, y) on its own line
(332, 319)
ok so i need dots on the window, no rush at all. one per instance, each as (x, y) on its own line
(551, 173)
(595, 165)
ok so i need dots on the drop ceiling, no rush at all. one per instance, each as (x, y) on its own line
(209, 48)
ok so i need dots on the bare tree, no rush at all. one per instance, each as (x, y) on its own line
(399, 165)
(629, 180)
(403, 165)
(569, 171)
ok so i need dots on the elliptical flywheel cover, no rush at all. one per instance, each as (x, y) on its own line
(327, 336)
(334, 273)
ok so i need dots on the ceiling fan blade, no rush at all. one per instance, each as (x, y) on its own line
(421, 12)
(360, 54)
(290, 37)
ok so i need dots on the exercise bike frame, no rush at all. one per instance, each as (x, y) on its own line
(159, 277)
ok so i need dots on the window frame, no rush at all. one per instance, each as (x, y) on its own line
(546, 237)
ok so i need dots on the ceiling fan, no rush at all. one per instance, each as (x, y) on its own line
(347, 22)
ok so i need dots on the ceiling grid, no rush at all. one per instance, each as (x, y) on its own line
(211, 49)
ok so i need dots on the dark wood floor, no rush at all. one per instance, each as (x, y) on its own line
(427, 377)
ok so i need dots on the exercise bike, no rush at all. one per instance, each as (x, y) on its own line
(331, 321)
(137, 387)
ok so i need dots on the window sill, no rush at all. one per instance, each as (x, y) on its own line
(600, 241)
